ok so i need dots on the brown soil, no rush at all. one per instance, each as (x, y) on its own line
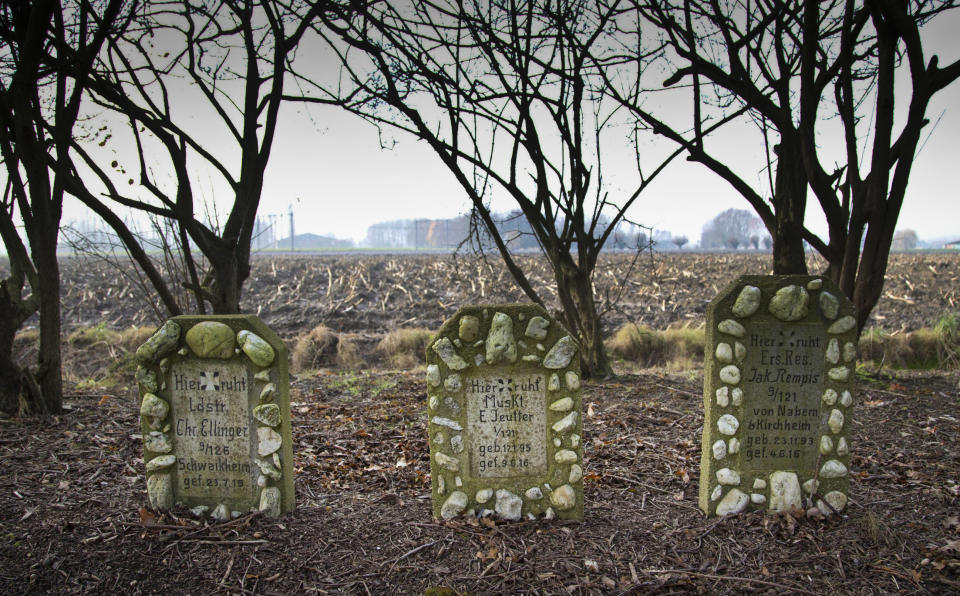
(72, 491)
(371, 294)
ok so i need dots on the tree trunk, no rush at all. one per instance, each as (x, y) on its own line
(873, 265)
(575, 290)
(10, 374)
(49, 375)
(227, 281)
(789, 205)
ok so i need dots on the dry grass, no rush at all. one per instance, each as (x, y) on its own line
(926, 348)
(315, 349)
(92, 336)
(132, 338)
(675, 348)
(323, 348)
(404, 348)
(349, 355)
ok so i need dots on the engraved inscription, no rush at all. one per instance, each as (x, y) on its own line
(212, 430)
(783, 382)
(506, 420)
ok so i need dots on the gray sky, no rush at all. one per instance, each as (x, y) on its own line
(329, 166)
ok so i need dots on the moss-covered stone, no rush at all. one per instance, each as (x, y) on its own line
(564, 498)
(444, 348)
(538, 328)
(501, 345)
(790, 303)
(257, 349)
(524, 367)
(208, 391)
(774, 392)
(453, 505)
(147, 379)
(157, 442)
(211, 339)
(561, 354)
(160, 490)
(154, 407)
(270, 503)
(160, 462)
(748, 301)
(268, 414)
(829, 305)
(469, 328)
(160, 343)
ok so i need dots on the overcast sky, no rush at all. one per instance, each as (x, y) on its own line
(329, 166)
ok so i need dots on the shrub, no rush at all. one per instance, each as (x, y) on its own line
(684, 347)
(948, 330)
(925, 348)
(405, 348)
(635, 344)
(675, 348)
(315, 349)
(89, 336)
(132, 338)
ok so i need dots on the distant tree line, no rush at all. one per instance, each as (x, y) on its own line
(733, 229)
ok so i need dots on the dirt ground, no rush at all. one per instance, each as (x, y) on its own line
(72, 496)
(72, 492)
(370, 294)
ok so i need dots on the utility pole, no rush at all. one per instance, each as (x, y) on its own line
(290, 213)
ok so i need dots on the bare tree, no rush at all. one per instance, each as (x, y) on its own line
(793, 66)
(730, 229)
(47, 49)
(506, 96)
(233, 58)
(905, 240)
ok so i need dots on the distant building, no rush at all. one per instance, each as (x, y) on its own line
(955, 245)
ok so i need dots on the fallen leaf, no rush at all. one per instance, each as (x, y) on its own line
(103, 400)
(951, 547)
(487, 522)
(147, 518)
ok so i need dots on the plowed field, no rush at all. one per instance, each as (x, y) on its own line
(376, 293)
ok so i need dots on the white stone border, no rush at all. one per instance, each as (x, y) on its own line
(790, 303)
(154, 363)
(460, 337)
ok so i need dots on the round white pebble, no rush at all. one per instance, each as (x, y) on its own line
(728, 424)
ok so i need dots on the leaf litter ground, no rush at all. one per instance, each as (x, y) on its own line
(72, 496)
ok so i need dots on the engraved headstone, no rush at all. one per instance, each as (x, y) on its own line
(778, 395)
(505, 428)
(215, 416)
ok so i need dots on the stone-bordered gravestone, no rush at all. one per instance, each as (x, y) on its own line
(778, 382)
(505, 427)
(215, 416)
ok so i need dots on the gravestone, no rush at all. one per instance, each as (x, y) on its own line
(215, 416)
(778, 394)
(505, 428)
